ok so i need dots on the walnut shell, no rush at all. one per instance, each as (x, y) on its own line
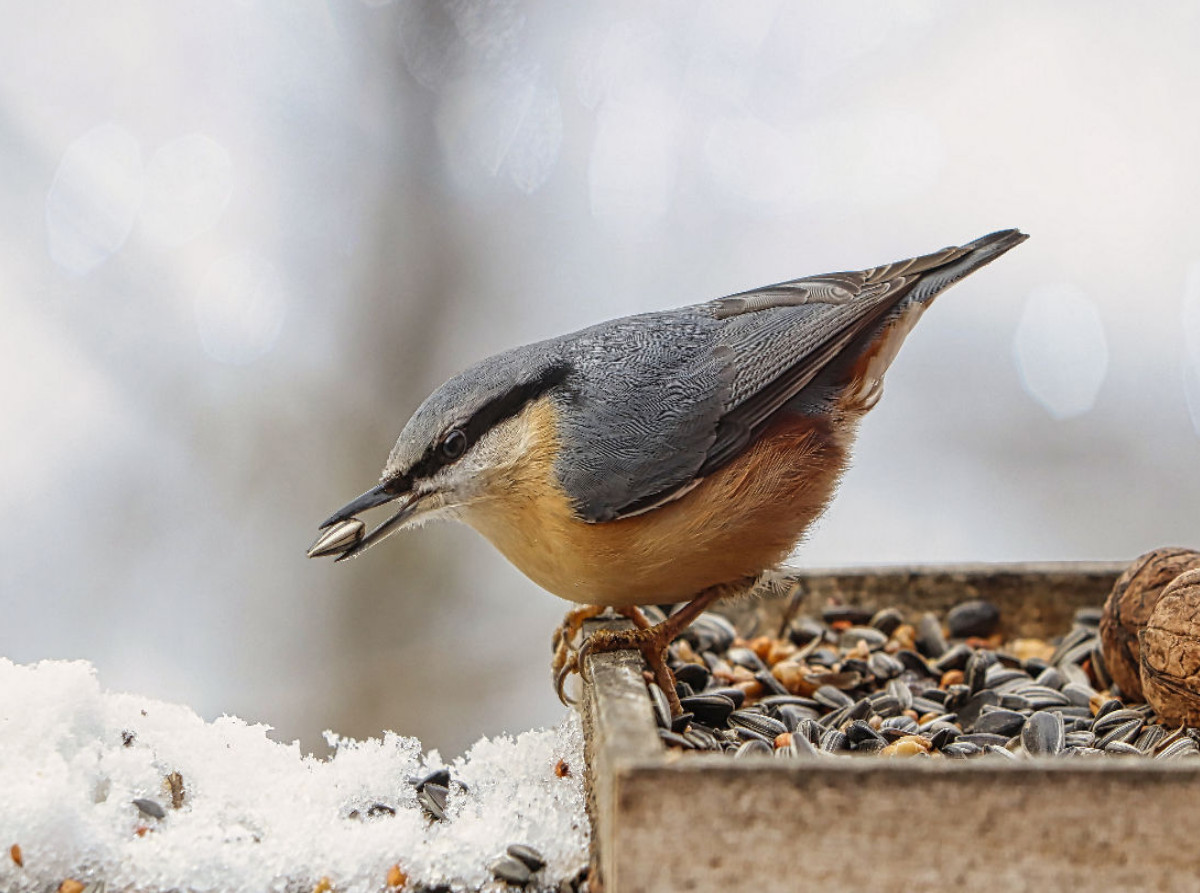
(1130, 605)
(1170, 652)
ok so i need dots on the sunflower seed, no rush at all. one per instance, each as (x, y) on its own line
(1123, 732)
(759, 723)
(971, 709)
(680, 723)
(710, 632)
(802, 632)
(883, 666)
(1075, 674)
(885, 706)
(914, 662)
(810, 730)
(1050, 678)
(338, 538)
(744, 657)
(962, 749)
(905, 724)
(1150, 738)
(901, 692)
(858, 732)
(1043, 734)
(1079, 739)
(975, 674)
(1040, 697)
(1079, 695)
(954, 659)
(753, 747)
(662, 707)
(1183, 747)
(886, 620)
(846, 614)
(791, 715)
(802, 747)
(694, 675)
(1077, 636)
(999, 675)
(1000, 722)
(1103, 723)
(939, 738)
(1010, 701)
(710, 709)
(930, 640)
(1100, 667)
(832, 697)
(532, 858)
(511, 871)
(973, 618)
(1122, 748)
(432, 798)
(834, 741)
(150, 808)
(674, 739)
(868, 635)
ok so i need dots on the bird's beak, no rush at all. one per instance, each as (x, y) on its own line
(343, 533)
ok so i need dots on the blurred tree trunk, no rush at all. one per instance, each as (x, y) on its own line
(409, 277)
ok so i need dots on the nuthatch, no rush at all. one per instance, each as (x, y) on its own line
(663, 457)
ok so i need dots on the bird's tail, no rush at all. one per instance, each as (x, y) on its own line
(941, 270)
(863, 363)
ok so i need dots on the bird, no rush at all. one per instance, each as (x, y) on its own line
(667, 457)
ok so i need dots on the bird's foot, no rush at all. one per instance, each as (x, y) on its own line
(566, 643)
(651, 641)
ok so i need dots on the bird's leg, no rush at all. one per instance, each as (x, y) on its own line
(652, 641)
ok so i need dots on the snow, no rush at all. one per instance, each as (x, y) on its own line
(256, 813)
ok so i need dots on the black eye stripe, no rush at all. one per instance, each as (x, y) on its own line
(487, 417)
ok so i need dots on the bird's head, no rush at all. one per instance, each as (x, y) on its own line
(453, 450)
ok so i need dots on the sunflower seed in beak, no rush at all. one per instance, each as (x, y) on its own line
(338, 538)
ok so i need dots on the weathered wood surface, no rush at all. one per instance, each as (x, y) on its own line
(708, 823)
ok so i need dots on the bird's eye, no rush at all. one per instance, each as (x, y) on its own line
(453, 445)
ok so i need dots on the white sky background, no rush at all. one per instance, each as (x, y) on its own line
(189, 193)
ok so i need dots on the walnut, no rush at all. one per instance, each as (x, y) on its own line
(1170, 652)
(1129, 606)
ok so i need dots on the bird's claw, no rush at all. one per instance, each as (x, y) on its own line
(566, 653)
(560, 682)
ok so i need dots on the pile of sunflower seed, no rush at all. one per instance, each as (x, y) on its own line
(853, 682)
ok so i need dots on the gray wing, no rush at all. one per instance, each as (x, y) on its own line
(647, 400)
(668, 398)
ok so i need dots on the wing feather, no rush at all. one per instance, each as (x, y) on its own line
(669, 398)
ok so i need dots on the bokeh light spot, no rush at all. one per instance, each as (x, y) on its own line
(240, 308)
(1061, 352)
(631, 176)
(188, 185)
(94, 198)
(505, 125)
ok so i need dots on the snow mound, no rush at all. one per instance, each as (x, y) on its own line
(240, 811)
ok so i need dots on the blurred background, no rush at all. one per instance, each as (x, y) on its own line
(240, 241)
